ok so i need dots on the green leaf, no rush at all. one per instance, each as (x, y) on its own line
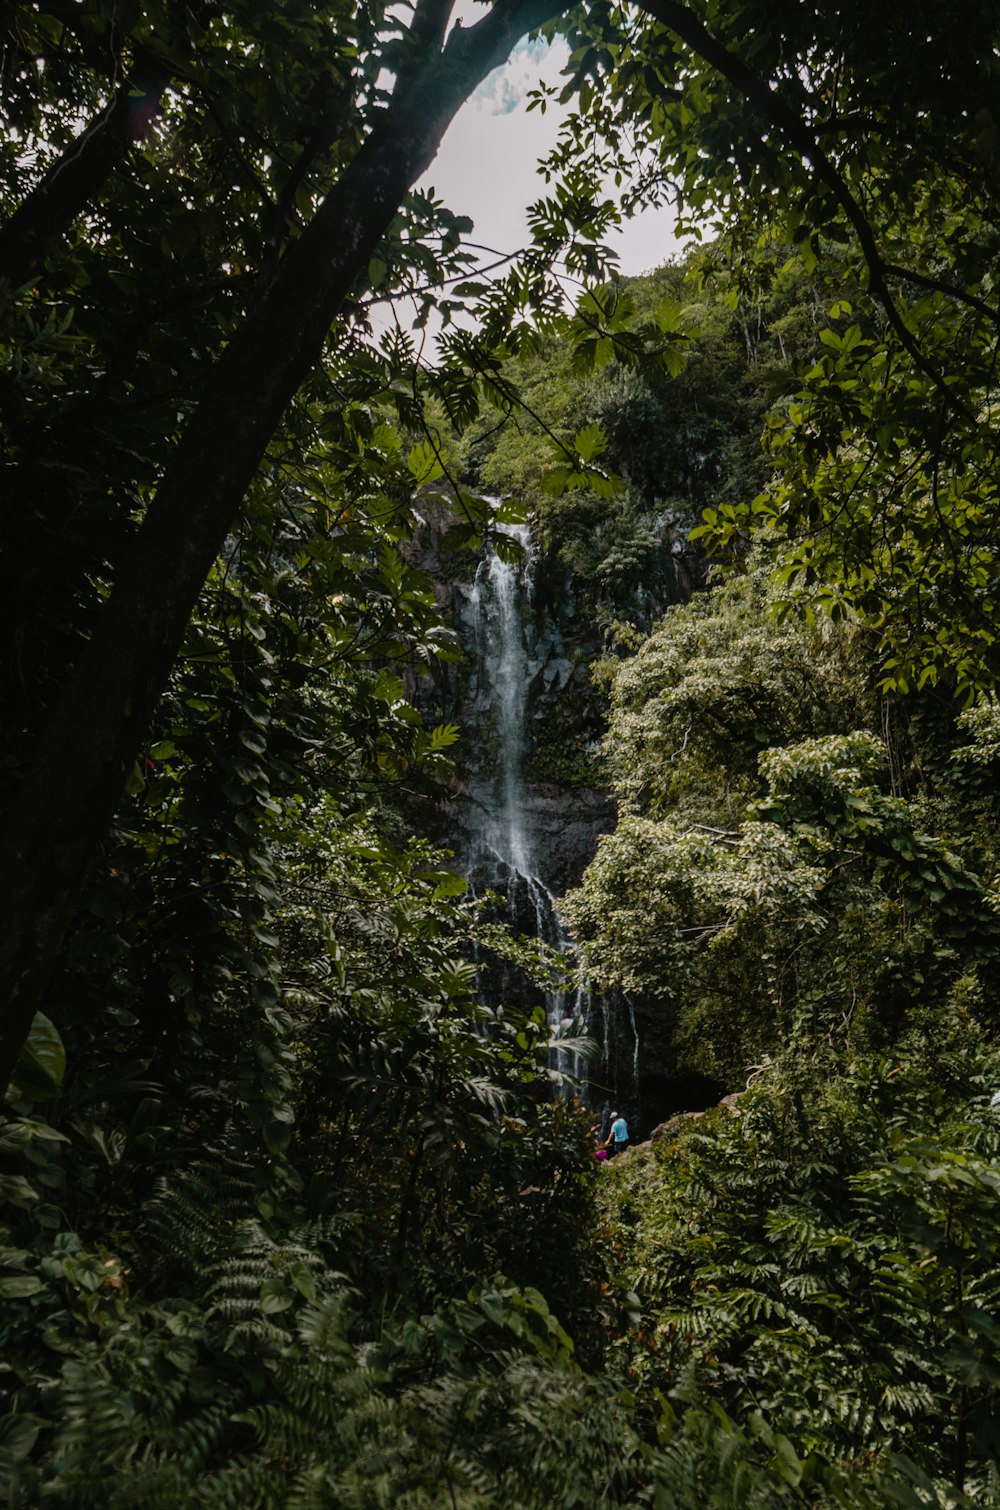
(275, 1296)
(18, 1434)
(556, 480)
(42, 1063)
(444, 735)
(590, 442)
(424, 464)
(786, 1461)
(458, 537)
(19, 1286)
(303, 1279)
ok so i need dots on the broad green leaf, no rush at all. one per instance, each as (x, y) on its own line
(42, 1064)
(424, 464)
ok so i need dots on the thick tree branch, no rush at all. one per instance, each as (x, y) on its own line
(76, 179)
(940, 286)
(79, 774)
(430, 21)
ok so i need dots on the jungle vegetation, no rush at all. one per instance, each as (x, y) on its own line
(288, 1216)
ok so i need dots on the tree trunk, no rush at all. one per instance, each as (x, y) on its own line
(83, 759)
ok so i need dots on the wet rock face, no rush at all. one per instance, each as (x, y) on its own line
(563, 825)
(528, 761)
(568, 821)
(556, 650)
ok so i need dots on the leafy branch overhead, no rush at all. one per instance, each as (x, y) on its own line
(835, 139)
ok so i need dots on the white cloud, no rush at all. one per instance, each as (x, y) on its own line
(507, 87)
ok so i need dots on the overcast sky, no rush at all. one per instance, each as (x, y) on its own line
(486, 165)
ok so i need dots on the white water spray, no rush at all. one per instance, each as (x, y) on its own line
(503, 842)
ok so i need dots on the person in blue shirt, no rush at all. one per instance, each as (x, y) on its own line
(617, 1140)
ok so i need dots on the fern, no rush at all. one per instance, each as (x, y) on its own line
(191, 1215)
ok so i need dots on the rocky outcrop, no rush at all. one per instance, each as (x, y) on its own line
(564, 806)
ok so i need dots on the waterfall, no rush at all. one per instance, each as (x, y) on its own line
(521, 840)
(499, 704)
(503, 852)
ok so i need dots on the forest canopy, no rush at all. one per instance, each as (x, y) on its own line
(289, 1215)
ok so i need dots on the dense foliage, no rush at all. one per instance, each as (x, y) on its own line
(776, 860)
(821, 1263)
(275, 1130)
(678, 436)
(287, 1216)
(866, 140)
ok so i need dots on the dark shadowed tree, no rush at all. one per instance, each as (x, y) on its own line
(300, 244)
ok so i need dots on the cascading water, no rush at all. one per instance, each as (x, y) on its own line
(498, 707)
(503, 853)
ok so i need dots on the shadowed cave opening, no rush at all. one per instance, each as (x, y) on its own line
(663, 1096)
